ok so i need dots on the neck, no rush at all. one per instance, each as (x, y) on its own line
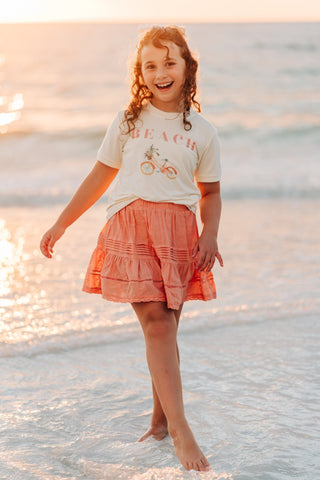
(167, 107)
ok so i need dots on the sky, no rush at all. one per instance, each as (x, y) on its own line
(159, 11)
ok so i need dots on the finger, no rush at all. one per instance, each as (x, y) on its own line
(203, 262)
(44, 246)
(219, 259)
(45, 252)
(210, 264)
(195, 249)
(201, 259)
(209, 267)
(51, 245)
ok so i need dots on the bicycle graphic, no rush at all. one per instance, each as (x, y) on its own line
(152, 163)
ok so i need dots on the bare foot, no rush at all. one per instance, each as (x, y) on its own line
(156, 431)
(188, 451)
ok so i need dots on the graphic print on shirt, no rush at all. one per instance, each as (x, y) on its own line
(153, 164)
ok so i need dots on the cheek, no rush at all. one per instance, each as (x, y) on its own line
(181, 73)
(145, 77)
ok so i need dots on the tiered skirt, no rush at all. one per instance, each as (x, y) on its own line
(144, 254)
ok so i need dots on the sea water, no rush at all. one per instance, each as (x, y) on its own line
(75, 389)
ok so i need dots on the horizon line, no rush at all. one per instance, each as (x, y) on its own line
(146, 21)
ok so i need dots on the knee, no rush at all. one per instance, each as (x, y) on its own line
(159, 325)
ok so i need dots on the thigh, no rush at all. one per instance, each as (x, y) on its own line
(153, 312)
(143, 309)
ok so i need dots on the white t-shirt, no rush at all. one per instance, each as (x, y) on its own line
(159, 160)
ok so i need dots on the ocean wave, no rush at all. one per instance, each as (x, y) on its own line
(68, 341)
(293, 46)
(232, 193)
(231, 130)
(272, 135)
(298, 47)
(276, 192)
(300, 71)
(57, 134)
(194, 321)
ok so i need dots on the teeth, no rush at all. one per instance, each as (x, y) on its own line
(164, 85)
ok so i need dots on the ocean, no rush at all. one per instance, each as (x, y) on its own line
(75, 389)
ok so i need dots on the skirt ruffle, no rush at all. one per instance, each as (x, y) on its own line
(144, 254)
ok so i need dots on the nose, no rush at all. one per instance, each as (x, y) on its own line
(161, 73)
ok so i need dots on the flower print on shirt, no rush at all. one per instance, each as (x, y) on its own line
(152, 164)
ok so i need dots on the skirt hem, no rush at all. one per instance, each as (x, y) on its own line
(151, 298)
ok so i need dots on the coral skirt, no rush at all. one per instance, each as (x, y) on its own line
(144, 254)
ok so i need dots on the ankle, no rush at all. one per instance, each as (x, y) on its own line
(178, 429)
(159, 419)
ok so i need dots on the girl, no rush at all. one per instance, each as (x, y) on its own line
(149, 252)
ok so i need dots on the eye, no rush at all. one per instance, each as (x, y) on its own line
(149, 67)
(170, 64)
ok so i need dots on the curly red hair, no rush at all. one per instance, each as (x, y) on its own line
(157, 36)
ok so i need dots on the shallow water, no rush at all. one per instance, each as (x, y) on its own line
(250, 393)
(75, 387)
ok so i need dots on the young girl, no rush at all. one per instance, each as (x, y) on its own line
(149, 252)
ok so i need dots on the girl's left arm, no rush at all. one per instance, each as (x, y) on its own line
(206, 247)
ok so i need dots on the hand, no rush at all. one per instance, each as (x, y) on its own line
(50, 238)
(206, 249)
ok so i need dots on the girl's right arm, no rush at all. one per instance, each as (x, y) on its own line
(90, 190)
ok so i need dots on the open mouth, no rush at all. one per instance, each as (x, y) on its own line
(163, 86)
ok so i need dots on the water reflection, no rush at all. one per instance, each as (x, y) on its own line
(11, 106)
(11, 251)
(169, 473)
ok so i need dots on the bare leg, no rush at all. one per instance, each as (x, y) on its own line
(159, 425)
(159, 326)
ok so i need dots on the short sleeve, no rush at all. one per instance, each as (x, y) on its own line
(110, 151)
(209, 167)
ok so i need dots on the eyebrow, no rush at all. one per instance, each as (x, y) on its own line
(166, 59)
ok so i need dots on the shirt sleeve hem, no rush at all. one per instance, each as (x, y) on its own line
(208, 179)
(109, 162)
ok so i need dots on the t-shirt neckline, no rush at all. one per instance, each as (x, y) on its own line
(162, 113)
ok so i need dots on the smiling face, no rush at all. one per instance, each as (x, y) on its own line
(163, 72)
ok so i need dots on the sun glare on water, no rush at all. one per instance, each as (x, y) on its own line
(10, 112)
(11, 105)
(10, 260)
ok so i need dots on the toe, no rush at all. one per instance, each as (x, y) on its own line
(205, 465)
(145, 436)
